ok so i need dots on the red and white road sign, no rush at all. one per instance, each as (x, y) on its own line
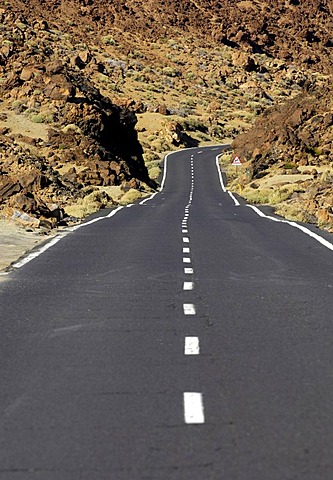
(236, 161)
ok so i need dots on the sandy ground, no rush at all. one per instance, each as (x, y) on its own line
(15, 241)
(21, 124)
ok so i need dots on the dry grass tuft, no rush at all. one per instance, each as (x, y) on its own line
(91, 203)
(131, 196)
(270, 196)
(154, 172)
(293, 212)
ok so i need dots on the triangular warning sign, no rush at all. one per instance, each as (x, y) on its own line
(236, 161)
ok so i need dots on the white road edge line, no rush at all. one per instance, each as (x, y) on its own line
(192, 346)
(188, 286)
(38, 252)
(56, 239)
(163, 179)
(236, 202)
(148, 198)
(59, 237)
(305, 230)
(189, 309)
(193, 408)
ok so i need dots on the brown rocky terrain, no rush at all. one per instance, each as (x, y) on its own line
(92, 93)
(288, 29)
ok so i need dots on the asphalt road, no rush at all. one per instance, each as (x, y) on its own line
(186, 338)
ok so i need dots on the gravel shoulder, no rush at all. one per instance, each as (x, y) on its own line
(16, 241)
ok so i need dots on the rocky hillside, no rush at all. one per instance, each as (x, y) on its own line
(60, 138)
(289, 29)
(288, 158)
(91, 90)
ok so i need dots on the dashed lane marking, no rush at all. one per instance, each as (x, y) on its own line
(192, 346)
(193, 408)
(186, 260)
(189, 309)
(188, 271)
(186, 240)
(186, 250)
(188, 286)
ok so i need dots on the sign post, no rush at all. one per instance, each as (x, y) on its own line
(236, 163)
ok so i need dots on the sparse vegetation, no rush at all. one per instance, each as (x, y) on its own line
(41, 118)
(89, 204)
(154, 172)
(185, 88)
(130, 197)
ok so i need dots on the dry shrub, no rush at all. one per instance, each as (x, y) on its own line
(154, 172)
(271, 196)
(293, 212)
(91, 203)
(131, 196)
(225, 159)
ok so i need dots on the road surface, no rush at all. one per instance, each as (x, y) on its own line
(184, 338)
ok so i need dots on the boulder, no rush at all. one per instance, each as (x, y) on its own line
(27, 74)
(8, 187)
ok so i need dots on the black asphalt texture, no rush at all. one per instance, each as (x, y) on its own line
(92, 362)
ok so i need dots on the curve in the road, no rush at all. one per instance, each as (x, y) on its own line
(35, 253)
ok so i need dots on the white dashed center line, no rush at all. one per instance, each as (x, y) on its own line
(192, 346)
(189, 309)
(188, 286)
(188, 271)
(193, 401)
(193, 408)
